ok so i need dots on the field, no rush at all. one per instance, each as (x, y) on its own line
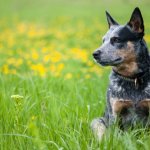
(50, 87)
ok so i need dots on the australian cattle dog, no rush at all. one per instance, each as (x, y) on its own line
(128, 94)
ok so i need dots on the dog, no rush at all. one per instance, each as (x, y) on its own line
(128, 94)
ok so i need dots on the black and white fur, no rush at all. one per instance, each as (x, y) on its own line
(128, 94)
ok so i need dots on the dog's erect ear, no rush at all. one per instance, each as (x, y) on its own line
(136, 21)
(110, 20)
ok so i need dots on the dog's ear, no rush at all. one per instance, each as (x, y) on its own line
(136, 21)
(110, 20)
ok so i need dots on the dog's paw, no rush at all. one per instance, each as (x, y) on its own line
(98, 128)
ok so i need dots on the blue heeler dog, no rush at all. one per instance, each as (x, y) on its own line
(128, 94)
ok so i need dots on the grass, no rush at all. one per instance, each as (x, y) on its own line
(50, 87)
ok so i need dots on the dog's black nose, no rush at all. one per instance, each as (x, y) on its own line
(96, 54)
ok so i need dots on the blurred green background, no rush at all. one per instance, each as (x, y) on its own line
(48, 9)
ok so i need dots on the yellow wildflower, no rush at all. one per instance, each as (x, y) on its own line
(68, 76)
(55, 57)
(5, 69)
(79, 54)
(147, 38)
(31, 33)
(47, 58)
(39, 68)
(35, 55)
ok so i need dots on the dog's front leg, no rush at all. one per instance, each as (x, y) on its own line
(98, 126)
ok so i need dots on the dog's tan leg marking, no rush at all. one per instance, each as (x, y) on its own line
(144, 103)
(119, 104)
(98, 128)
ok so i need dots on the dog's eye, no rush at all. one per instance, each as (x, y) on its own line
(114, 40)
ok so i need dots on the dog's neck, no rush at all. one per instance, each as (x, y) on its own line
(132, 69)
(126, 69)
(136, 78)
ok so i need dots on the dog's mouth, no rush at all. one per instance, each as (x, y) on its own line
(114, 62)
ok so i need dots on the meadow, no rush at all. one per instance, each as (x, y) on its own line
(50, 87)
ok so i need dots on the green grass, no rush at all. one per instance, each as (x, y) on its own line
(56, 111)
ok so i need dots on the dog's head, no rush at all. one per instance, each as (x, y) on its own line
(122, 44)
